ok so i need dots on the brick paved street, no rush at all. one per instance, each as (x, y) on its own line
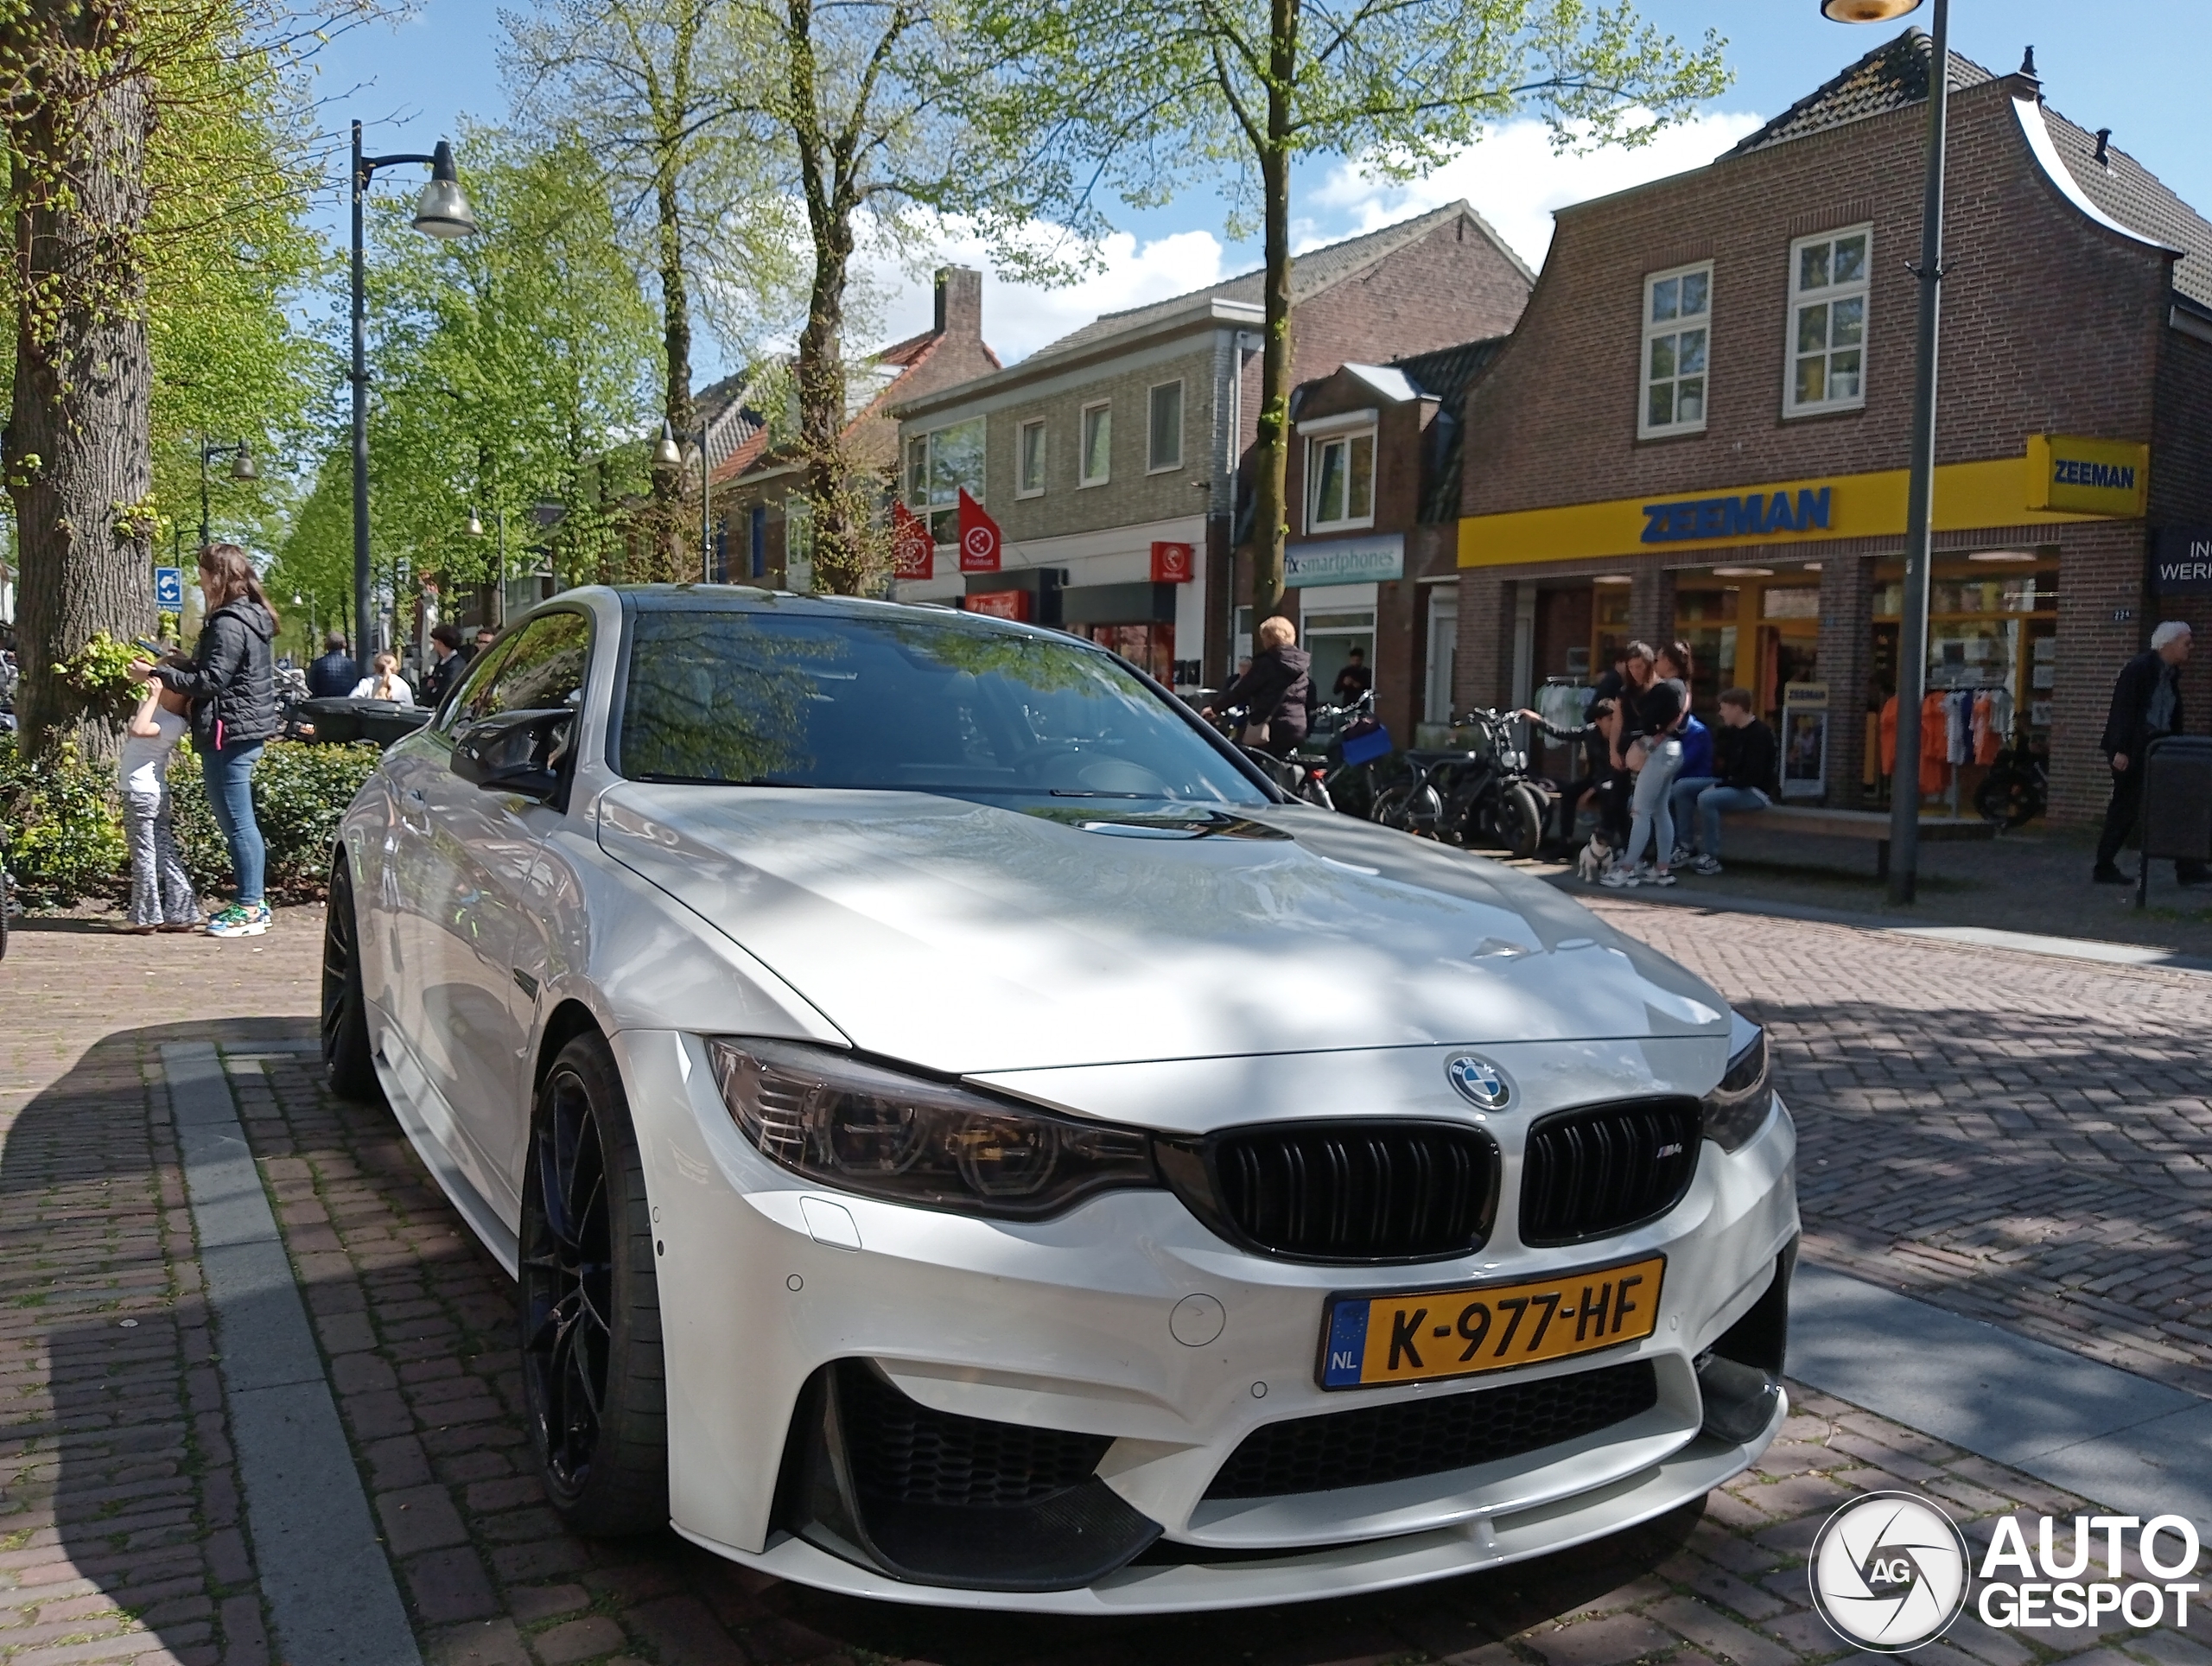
(2023, 1138)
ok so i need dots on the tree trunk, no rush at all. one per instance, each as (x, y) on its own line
(1271, 470)
(839, 564)
(79, 455)
(669, 519)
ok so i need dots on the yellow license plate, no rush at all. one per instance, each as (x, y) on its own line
(1367, 1341)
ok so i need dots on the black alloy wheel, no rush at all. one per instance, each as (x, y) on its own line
(590, 1303)
(348, 1062)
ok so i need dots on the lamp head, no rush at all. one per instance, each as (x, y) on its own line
(666, 453)
(475, 526)
(1867, 11)
(443, 210)
(242, 467)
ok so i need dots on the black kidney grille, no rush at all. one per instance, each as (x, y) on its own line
(1358, 1191)
(1606, 1168)
(1428, 1437)
(902, 1452)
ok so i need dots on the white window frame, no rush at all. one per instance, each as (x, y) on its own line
(936, 512)
(1151, 466)
(1021, 487)
(1827, 294)
(1082, 443)
(1317, 443)
(1650, 331)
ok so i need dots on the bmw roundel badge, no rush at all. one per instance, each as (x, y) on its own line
(1479, 1082)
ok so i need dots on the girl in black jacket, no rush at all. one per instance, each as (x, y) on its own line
(231, 680)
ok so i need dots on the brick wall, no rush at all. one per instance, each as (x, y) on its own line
(2050, 323)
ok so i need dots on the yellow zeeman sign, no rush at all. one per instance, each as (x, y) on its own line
(2001, 491)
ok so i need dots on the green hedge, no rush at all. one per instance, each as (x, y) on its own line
(63, 833)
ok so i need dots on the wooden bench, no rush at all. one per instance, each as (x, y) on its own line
(1865, 825)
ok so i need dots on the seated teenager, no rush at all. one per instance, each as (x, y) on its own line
(1745, 751)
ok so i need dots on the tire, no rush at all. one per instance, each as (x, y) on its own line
(1410, 809)
(593, 1384)
(2008, 797)
(1517, 821)
(348, 1062)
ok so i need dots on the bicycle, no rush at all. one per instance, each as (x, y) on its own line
(1301, 774)
(1478, 795)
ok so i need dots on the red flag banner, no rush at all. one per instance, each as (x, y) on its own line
(979, 537)
(1172, 563)
(914, 552)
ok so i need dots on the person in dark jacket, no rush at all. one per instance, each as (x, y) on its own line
(450, 659)
(2145, 705)
(334, 673)
(1277, 692)
(231, 680)
(1744, 754)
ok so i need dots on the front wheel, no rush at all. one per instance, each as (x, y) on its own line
(1410, 809)
(593, 1377)
(2011, 797)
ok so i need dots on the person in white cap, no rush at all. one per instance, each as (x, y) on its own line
(2145, 705)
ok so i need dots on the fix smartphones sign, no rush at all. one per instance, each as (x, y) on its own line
(1891, 1573)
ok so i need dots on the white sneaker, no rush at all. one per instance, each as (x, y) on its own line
(1621, 877)
(1707, 864)
(1683, 856)
(1662, 876)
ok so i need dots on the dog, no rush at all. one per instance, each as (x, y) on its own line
(1596, 858)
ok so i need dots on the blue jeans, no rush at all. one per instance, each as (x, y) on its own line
(1709, 804)
(229, 776)
(1681, 804)
(1648, 805)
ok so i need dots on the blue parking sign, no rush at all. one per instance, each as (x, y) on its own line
(168, 587)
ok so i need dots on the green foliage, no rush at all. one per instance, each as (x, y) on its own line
(61, 836)
(300, 791)
(96, 674)
(513, 371)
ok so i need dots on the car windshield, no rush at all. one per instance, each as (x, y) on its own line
(903, 704)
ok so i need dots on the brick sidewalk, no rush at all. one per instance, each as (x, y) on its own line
(119, 1532)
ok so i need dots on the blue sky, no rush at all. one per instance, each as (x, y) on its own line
(2138, 71)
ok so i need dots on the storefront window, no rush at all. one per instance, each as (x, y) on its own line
(1992, 631)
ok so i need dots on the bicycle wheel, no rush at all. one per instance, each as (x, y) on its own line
(2009, 798)
(1411, 808)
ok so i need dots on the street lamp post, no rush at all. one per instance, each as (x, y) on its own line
(1912, 635)
(667, 455)
(242, 468)
(441, 212)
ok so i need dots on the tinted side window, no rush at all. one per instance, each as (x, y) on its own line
(540, 666)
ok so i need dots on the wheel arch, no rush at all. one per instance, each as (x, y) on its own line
(568, 1020)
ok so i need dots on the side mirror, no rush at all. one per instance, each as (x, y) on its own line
(517, 752)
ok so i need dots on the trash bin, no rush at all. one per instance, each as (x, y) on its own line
(2176, 815)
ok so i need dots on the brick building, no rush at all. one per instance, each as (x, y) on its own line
(1372, 560)
(1132, 431)
(758, 508)
(1700, 428)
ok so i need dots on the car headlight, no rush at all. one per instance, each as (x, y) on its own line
(882, 1134)
(1734, 1110)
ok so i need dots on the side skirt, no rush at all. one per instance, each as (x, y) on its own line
(421, 1110)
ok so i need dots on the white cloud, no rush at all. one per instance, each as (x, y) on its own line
(1514, 179)
(1020, 318)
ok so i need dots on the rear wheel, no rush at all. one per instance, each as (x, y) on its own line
(348, 1062)
(1409, 808)
(593, 1377)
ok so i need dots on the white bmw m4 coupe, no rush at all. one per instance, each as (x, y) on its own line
(961, 1136)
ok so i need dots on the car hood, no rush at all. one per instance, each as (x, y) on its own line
(967, 937)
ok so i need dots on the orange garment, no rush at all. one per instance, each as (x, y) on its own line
(1935, 744)
(1889, 735)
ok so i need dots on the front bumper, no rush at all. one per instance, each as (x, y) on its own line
(1069, 1324)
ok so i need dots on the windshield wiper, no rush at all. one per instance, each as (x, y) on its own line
(1079, 792)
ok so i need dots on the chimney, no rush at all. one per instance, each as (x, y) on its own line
(2023, 83)
(2104, 150)
(960, 301)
